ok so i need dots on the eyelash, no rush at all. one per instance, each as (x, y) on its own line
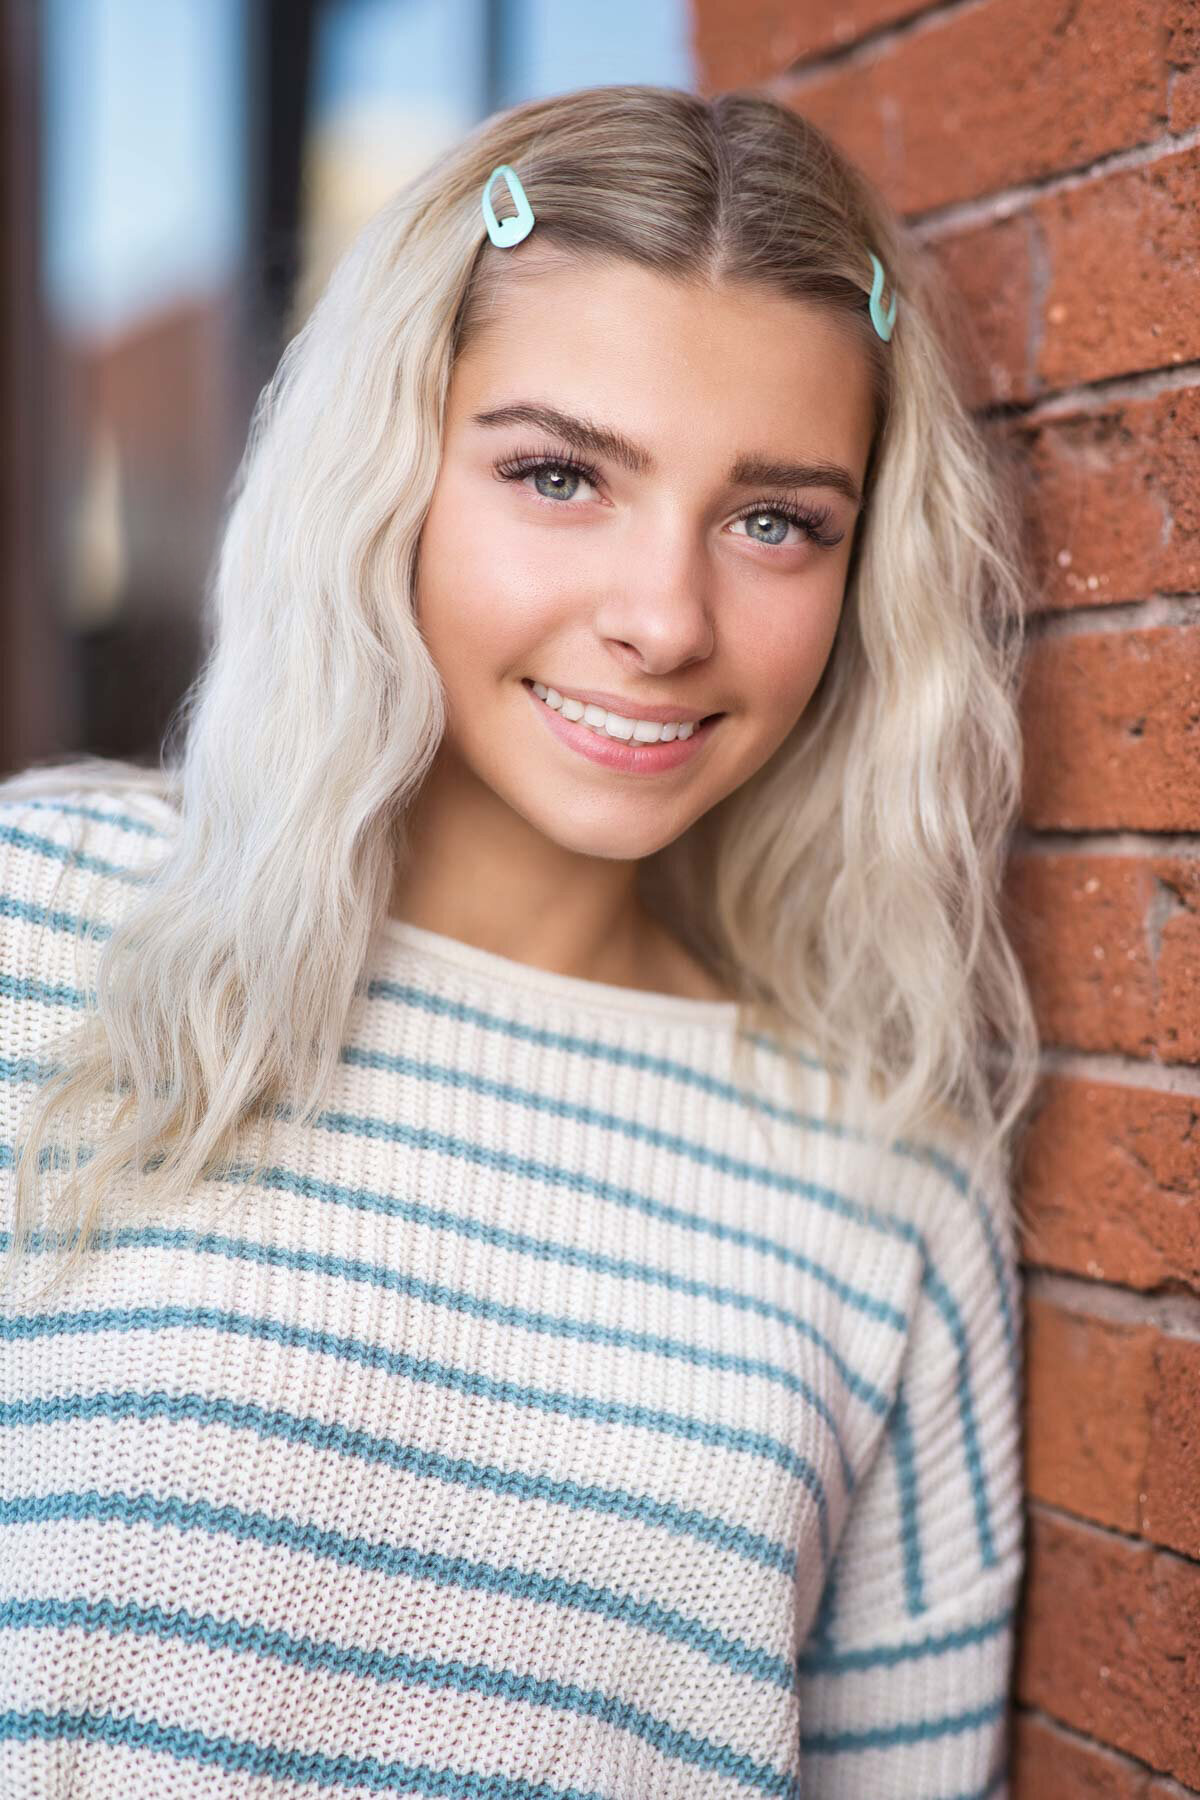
(814, 524)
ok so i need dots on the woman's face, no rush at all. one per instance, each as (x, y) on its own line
(665, 576)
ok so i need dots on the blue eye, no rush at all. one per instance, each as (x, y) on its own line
(560, 484)
(781, 525)
(813, 524)
(518, 467)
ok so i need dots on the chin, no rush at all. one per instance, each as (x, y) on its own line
(618, 841)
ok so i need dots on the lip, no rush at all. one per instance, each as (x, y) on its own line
(634, 709)
(613, 753)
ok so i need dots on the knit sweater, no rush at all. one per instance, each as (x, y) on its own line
(561, 1416)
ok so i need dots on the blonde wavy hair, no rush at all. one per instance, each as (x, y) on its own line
(849, 891)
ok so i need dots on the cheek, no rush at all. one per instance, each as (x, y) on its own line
(782, 660)
(479, 598)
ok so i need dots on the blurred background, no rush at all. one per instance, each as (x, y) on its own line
(177, 178)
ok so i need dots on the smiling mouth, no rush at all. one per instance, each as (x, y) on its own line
(635, 732)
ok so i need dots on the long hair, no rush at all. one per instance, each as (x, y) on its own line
(849, 890)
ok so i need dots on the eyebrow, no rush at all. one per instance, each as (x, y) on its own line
(602, 440)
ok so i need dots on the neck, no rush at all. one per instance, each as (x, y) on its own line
(476, 870)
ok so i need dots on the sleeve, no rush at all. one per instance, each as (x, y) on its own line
(71, 859)
(904, 1680)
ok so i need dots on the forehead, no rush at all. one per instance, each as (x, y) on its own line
(689, 369)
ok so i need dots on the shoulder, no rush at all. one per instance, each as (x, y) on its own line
(962, 1202)
(972, 1282)
(76, 844)
(76, 808)
(923, 1187)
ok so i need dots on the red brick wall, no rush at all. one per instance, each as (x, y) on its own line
(1047, 152)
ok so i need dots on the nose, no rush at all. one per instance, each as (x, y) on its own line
(658, 604)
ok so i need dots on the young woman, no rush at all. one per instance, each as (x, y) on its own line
(511, 1285)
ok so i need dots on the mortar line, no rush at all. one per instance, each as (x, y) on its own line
(1133, 1765)
(1116, 1069)
(1176, 1315)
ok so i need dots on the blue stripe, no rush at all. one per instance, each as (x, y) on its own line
(78, 859)
(441, 1074)
(915, 1731)
(12, 907)
(598, 1050)
(786, 1050)
(122, 821)
(382, 1558)
(313, 1262)
(758, 1173)
(575, 1256)
(488, 1155)
(424, 1138)
(579, 1181)
(15, 987)
(546, 1250)
(255, 1639)
(399, 1362)
(22, 1068)
(937, 1159)
(910, 1529)
(428, 1464)
(242, 1755)
(404, 993)
(423, 1368)
(818, 1659)
(933, 1284)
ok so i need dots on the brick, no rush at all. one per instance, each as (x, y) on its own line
(988, 272)
(1170, 1512)
(1121, 252)
(1114, 501)
(1111, 949)
(1184, 100)
(933, 117)
(1182, 23)
(1112, 1422)
(1111, 724)
(738, 43)
(1112, 262)
(1049, 1764)
(1089, 1385)
(1110, 1643)
(1110, 1183)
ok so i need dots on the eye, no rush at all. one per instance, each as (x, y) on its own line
(556, 478)
(773, 520)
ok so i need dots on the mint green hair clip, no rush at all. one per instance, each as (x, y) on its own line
(507, 232)
(882, 321)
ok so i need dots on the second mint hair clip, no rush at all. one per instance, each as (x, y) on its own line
(882, 321)
(507, 232)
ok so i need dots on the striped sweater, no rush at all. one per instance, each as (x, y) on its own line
(562, 1416)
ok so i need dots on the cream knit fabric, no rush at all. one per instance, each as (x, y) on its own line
(550, 1423)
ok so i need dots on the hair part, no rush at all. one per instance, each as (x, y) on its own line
(848, 891)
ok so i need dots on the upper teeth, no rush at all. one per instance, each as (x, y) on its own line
(642, 731)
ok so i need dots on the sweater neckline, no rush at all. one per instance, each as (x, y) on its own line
(570, 990)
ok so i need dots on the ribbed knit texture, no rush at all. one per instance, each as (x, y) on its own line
(556, 1420)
